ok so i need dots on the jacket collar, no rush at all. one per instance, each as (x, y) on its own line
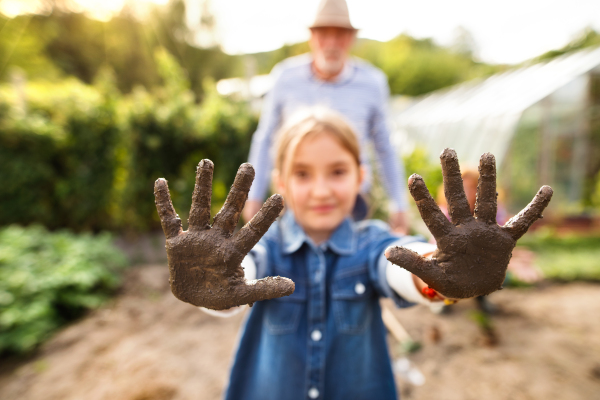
(343, 241)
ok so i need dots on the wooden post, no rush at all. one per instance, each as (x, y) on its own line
(394, 326)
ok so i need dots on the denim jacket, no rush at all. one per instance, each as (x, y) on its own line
(326, 340)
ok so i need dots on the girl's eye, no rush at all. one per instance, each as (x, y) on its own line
(339, 171)
(300, 174)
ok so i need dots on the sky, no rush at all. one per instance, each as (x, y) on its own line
(507, 31)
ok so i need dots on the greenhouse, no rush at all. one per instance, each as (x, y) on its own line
(540, 121)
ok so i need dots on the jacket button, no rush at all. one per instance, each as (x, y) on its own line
(313, 393)
(359, 288)
(316, 335)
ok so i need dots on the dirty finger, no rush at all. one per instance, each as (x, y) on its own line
(170, 221)
(520, 223)
(200, 212)
(431, 214)
(251, 233)
(458, 206)
(486, 205)
(229, 215)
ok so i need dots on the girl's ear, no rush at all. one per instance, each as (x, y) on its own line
(277, 180)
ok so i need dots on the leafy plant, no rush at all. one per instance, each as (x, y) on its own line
(85, 157)
(565, 258)
(58, 159)
(418, 162)
(48, 279)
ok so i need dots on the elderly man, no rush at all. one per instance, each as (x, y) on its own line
(329, 77)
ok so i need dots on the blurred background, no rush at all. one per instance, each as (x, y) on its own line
(100, 98)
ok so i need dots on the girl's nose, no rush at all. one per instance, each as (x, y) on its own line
(321, 187)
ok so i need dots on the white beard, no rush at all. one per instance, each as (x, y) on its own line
(329, 62)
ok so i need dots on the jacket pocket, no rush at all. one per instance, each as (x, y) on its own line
(351, 301)
(282, 315)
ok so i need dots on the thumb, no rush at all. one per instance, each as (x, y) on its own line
(422, 267)
(267, 288)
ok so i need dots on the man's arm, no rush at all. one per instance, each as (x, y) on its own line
(390, 164)
(260, 156)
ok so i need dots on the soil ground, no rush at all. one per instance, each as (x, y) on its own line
(146, 345)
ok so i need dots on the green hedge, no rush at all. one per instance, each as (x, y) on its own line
(48, 279)
(58, 160)
(86, 158)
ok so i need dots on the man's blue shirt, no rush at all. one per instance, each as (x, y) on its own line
(326, 340)
(360, 94)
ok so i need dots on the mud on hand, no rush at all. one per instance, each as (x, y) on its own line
(473, 251)
(205, 262)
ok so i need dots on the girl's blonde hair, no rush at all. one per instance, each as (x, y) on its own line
(311, 122)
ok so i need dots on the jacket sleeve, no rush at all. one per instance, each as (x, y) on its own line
(393, 281)
(401, 280)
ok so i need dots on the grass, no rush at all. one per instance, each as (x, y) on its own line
(565, 258)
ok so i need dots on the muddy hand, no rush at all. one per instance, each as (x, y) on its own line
(473, 252)
(204, 261)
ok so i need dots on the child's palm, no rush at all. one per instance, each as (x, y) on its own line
(473, 252)
(205, 262)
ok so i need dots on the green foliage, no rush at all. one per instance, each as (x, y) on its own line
(73, 44)
(418, 66)
(48, 279)
(418, 162)
(267, 60)
(70, 43)
(591, 192)
(595, 195)
(22, 48)
(483, 320)
(57, 160)
(86, 157)
(413, 66)
(168, 135)
(587, 38)
(565, 258)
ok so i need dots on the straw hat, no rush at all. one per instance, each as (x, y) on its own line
(332, 13)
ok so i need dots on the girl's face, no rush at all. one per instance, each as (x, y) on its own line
(320, 185)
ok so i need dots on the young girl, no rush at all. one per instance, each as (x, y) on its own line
(326, 340)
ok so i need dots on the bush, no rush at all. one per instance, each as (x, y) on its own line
(58, 159)
(48, 279)
(85, 157)
(167, 135)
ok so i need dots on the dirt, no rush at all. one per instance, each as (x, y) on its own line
(205, 261)
(147, 345)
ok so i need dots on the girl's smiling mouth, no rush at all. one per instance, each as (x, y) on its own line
(323, 208)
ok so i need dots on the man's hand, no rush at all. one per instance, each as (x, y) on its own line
(204, 261)
(473, 252)
(399, 222)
